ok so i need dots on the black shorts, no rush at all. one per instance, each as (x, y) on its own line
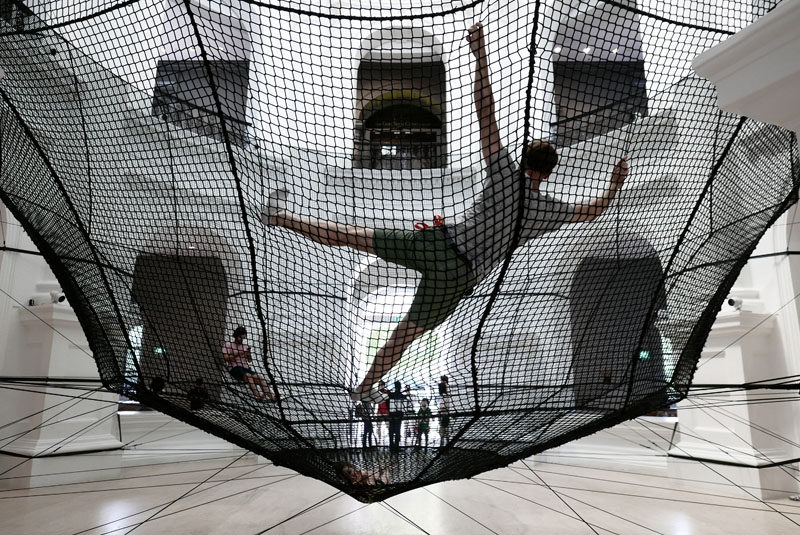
(238, 373)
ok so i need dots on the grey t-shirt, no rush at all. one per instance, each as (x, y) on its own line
(487, 230)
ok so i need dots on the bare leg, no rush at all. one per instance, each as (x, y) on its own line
(252, 384)
(264, 387)
(327, 232)
(387, 356)
(362, 239)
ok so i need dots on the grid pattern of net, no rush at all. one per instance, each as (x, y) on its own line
(142, 141)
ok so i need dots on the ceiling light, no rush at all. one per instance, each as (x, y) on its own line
(587, 50)
(557, 50)
(615, 50)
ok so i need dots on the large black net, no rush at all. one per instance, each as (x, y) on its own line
(368, 190)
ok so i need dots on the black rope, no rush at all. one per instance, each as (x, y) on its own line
(245, 220)
(49, 254)
(655, 299)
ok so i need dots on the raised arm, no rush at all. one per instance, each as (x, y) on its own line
(484, 100)
(592, 210)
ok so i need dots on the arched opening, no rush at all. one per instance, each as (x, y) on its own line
(401, 129)
(183, 304)
(400, 115)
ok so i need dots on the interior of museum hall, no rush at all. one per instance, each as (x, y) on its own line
(399, 266)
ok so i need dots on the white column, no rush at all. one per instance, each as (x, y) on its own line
(748, 441)
(47, 420)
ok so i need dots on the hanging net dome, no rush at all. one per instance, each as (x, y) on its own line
(352, 183)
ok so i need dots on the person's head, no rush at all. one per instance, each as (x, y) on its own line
(398, 387)
(407, 389)
(424, 403)
(444, 379)
(346, 471)
(381, 384)
(239, 333)
(540, 158)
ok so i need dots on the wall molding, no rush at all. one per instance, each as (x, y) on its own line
(757, 70)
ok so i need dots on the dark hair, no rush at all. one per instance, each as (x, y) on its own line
(443, 388)
(239, 331)
(339, 466)
(426, 400)
(398, 387)
(541, 156)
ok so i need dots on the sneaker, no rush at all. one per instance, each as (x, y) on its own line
(276, 202)
(374, 395)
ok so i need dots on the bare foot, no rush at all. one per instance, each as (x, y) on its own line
(276, 204)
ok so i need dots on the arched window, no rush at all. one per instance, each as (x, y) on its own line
(401, 130)
(400, 117)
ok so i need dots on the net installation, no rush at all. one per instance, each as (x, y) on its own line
(387, 244)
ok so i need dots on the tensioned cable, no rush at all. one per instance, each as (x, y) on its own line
(750, 330)
(760, 454)
(623, 482)
(331, 521)
(403, 517)
(305, 510)
(129, 478)
(744, 489)
(460, 510)
(185, 494)
(72, 403)
(538, 504)
(210, 487)
(40, 29)
(558, 495)
(627, 471)
(92, 470)
(13, 438)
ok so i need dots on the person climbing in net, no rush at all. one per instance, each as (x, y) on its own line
(237, 356)
(454, 259)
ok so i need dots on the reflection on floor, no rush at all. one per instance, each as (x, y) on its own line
(189, 483)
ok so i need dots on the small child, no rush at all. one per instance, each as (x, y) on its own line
(350, 474)
(423, 422)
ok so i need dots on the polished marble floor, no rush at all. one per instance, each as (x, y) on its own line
(191, 484)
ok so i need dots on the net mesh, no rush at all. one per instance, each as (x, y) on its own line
(145, 144)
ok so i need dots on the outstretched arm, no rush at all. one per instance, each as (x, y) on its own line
(484, 100)
(593, 209)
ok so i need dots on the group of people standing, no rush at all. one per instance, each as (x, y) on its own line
(398, 406)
